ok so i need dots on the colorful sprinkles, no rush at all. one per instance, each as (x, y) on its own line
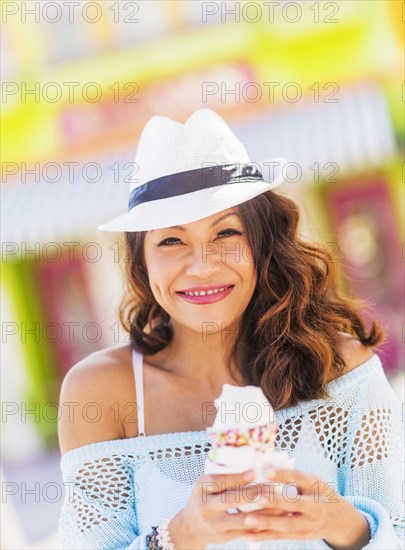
(260, 437)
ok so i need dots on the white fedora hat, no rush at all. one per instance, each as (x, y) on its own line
(190, 171)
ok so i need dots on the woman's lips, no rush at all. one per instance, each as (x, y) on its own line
(208, 299)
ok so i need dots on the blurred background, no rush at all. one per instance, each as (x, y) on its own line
(319, 83)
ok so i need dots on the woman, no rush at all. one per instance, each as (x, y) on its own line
(222, 289)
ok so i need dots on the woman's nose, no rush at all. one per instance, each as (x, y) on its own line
(204, 261)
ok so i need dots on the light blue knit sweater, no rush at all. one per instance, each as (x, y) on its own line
(116, 490)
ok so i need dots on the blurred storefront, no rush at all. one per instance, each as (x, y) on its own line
(317, 83)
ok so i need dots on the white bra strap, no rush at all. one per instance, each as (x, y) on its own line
(137, 359)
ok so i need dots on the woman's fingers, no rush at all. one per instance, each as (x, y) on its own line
(279, 524)
(275, 499)
(241, 496)
(305, 483)
(287, 503)
(218, 483)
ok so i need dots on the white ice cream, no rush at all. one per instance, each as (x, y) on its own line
(239, 408)
(242, 407)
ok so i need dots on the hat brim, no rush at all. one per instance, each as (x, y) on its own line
(190, 207)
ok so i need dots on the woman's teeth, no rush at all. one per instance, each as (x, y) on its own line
(203, 293)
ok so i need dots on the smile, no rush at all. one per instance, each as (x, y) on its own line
(208, 298)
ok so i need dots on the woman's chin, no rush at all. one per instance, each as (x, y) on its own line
(209, 326)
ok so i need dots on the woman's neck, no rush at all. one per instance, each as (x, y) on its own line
(196, 362)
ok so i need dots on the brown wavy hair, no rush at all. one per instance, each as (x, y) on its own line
(287, 341)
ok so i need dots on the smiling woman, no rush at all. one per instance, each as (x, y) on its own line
(222, 289)
(282, 289)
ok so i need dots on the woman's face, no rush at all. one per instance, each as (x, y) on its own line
(213, 251)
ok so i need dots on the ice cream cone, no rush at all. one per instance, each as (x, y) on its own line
(242, 443)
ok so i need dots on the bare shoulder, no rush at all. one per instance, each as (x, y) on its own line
(353, 352)
(88, 398)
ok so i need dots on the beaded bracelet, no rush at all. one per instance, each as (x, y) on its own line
(152, 541)
(160, 538)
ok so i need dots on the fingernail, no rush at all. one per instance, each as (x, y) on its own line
(270, 472)
(251, 521)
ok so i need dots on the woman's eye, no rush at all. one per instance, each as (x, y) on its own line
(169, 241)
(231, 231)
(165, 242)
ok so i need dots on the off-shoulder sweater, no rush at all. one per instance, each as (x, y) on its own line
(116, 490)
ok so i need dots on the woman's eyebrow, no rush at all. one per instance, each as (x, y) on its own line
(181, 228)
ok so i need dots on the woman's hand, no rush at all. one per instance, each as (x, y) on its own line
(317, 512)
(205, 520)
